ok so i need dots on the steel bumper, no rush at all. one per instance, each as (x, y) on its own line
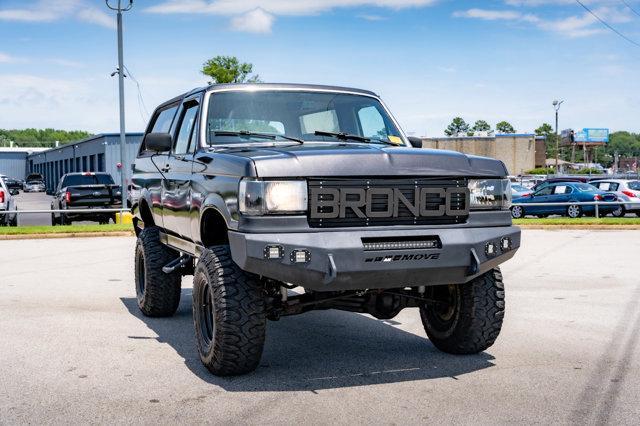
(339, 261)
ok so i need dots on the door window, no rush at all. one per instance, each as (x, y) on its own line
(562, 189)
(164, 119)
(186, 130)
(544, 191)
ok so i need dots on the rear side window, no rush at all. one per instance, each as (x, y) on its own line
(185, 133)
(163, 121)
(634, 184)
(562, 189)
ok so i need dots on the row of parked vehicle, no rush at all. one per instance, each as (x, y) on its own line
(8, 217)
(544, 195)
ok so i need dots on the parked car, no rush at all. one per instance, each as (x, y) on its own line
(519, 190)
(7, 205)
(547, 182)
(85, 191)
(564, 192)
(13, 184)
(34, 185)
(626, 190)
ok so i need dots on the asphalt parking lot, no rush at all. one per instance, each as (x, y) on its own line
(75, 349)
(37, 201)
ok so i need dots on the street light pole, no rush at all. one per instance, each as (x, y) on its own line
(556, 106)
(120, 71)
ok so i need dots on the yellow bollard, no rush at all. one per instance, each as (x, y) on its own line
(125, 218)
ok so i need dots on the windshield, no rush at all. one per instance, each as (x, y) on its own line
(297, 114)
(585, 187)
(77, 180)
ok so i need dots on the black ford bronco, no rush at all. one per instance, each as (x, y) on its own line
(280, 199)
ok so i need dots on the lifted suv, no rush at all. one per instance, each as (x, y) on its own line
(261, 189)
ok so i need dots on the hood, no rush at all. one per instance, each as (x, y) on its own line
(351, 159)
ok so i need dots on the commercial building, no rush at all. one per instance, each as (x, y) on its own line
(519, 152)
(13, 161)
(99, 153)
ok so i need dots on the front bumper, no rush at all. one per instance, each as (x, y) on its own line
(338, 260)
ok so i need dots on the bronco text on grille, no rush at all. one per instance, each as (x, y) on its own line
(380, 202)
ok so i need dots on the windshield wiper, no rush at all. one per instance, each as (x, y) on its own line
(343, 136)
(248, 134)
(346, 136)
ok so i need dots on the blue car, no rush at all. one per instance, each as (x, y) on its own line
(563, 192)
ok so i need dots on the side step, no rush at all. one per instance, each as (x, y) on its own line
(176, 263)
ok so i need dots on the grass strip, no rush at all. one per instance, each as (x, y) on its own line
(583, 221)
(66, 229)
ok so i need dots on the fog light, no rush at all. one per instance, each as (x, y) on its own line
(490, 249)
(273, 252)
(505, 244)
(300, 256)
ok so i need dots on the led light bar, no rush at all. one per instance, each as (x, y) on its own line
(400, 245)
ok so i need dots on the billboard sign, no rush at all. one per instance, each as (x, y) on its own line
(592, 135)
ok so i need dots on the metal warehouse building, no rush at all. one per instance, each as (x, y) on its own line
(13, 161)
(99, 153)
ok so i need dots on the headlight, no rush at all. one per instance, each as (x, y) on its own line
(258, 197)
(490, 194)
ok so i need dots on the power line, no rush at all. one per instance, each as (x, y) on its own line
(141, 105)
(630, 8)
(607, 25)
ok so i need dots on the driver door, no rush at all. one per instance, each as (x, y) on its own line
(176, 194)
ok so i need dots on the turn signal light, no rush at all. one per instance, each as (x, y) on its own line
(67, 197)
(1, 196)
(629, 194)
(597, 197)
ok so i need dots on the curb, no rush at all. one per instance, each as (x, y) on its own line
(66, 235)
(583, 227)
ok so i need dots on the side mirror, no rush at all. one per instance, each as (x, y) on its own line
(415, 141)
(158, 142)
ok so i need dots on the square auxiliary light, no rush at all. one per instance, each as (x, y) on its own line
(490, 249)
(505, 244)
(300, 256)
(273, 252)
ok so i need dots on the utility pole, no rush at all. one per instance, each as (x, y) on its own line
(120, 71)
(556, 105)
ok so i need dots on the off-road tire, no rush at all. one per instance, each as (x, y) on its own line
(158, 293)
(476, 319)
(228, 313)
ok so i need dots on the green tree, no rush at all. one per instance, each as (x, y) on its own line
(458, 126)
(549, 138)
(228, 69)
(41, 137)
(505, 127)
(481, 126)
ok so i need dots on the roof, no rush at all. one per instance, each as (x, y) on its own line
(262, 86)
(85, 140)
(27, 149)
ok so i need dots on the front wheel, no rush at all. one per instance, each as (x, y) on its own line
(228, 314)
(574, 211)
(517, 212)
(467, 318)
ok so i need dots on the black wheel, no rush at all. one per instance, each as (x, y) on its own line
(228, 314)
(517, 212)
(54, 221)
(638, 214)
(63, 220)
(14, 221)
(158, 293)
(574, 211)
(113, 218)
(619, 212)
(469, 317)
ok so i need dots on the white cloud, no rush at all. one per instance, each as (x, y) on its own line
(573, 26)
(495, 15)
(8, 59)
(254, 21)
(372, 17)
(50, 11)
(242, 12)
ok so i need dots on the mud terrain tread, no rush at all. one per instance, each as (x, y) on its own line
(161, 291)
(240, 318)
(481, 316)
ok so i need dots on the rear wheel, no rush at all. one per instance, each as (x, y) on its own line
(574, 211)
(469, 317)
(517, 212)
(54, 221)
(228, 314)
(158, 294)
(619, 212)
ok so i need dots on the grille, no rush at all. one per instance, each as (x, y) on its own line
(458, 201)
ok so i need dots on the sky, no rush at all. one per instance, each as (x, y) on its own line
(429, 60)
